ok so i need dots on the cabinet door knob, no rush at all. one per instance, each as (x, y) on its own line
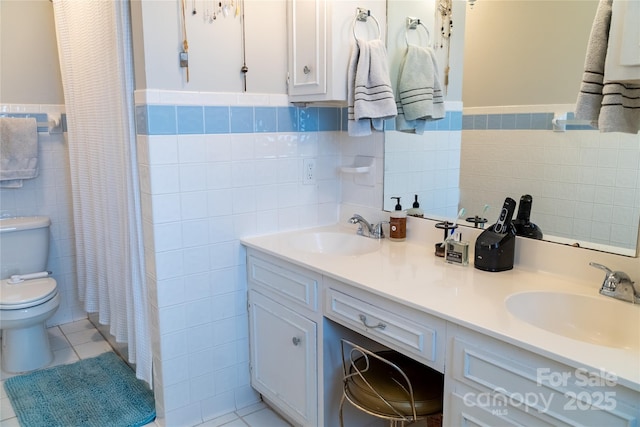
(295, 340)
(306, 69)
(380, 325)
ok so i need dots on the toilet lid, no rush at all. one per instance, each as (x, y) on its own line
(26, 294)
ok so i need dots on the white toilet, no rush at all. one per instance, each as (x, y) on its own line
(25, 303)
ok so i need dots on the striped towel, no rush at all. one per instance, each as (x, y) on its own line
(419, 85)
(611, 106)
(371, 99)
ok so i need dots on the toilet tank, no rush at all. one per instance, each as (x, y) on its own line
(24, 245)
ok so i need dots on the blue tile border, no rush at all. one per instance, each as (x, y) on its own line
(519, 121)
(184, 120)
(178, 120)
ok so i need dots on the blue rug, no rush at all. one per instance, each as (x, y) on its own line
(98, 392)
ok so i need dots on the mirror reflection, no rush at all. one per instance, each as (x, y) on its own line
(518, 77)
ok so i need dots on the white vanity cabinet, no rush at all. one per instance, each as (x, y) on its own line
(298, 316)
(414, 333)
(283, 335)
(320, 39)
(489, 382)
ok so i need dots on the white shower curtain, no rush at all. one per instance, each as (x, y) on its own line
(94, 44)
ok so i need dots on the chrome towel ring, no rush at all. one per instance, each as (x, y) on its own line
(413, 24)
(362, 15)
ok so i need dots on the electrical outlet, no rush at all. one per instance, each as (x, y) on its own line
(309, 171)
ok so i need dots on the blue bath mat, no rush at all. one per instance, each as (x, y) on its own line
(98, 392)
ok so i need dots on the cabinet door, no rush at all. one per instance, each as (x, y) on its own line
(283, 358)
(307, 47)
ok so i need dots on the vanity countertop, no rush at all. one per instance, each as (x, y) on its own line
(412, 275)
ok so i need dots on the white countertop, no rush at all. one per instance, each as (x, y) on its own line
(411, 274)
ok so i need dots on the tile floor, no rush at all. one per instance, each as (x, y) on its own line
(80, 340)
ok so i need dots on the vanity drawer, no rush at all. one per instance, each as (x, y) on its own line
(502, 378)
(412, 332)
(283, 280)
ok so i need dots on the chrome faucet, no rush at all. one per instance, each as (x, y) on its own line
(618, 284)
(366, 229)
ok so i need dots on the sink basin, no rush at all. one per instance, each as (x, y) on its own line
(593, 319)
(334, 243)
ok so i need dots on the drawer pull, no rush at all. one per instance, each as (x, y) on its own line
(295, 341)
(380, 325)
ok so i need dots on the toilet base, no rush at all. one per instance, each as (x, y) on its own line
(25, 349)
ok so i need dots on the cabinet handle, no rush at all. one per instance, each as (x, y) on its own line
(380, 325)
(295, 340)
(306, 69)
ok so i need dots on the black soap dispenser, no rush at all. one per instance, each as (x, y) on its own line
(415, 210)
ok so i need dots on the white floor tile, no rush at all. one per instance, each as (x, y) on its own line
(236, 423)
(84, 336)
(220, 421)
(77, 326)
(92, 349)
(64, 356)
(11, 422)
(57, 340)
(251, 408)
(6, 410)
(265, 418)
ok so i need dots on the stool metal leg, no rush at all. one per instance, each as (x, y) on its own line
(340, 412)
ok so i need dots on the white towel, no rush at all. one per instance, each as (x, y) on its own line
(18, 151)
(419, 90)
(370, 96)
(610, 106)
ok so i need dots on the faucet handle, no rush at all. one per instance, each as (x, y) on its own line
(601, 267)
(378, 231)
(617, 282)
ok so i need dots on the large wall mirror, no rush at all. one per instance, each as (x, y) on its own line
(516, 67)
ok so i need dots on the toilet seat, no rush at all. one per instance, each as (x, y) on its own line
(26, 294)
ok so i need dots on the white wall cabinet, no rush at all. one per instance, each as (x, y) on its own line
(320, 39)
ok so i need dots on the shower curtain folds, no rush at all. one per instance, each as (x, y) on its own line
(94, 45)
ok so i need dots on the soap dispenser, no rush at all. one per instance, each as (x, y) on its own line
(415, 210)
(398, 223)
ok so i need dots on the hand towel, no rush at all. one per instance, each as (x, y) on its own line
(419, 86)
(611, 106)
(623, 52)
(371, 99)
(18, 151)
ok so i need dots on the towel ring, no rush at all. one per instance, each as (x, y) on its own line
(362, 15)
(413, 24)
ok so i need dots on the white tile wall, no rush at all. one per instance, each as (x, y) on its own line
(201, 194)
(50, 194)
